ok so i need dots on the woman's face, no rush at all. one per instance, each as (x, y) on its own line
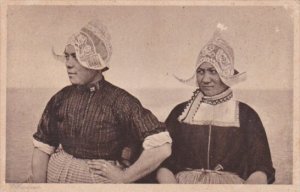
(209, 80)
(78, 74)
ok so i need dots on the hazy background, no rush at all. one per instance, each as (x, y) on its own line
(150, 44)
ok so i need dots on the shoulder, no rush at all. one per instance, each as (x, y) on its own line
(120, 95)
(65, 90)
(108, 86)
(62, 94)
(180, 107)
(177, 110)
(247, 113)
(245, 108)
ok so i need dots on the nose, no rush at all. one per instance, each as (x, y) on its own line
(206, 78)
(70, 62)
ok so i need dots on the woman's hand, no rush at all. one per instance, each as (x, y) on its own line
(111, 173)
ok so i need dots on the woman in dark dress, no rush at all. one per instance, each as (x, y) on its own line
(216, 139)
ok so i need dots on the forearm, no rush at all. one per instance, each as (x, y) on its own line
(149, 160)
(257, 177)
(164, 175)
(40, 161)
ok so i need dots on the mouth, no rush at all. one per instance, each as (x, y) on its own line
(207, 86)
(69, 73)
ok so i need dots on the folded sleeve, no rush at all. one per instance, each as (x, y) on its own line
(43, 147)
(259, 155)
(46, 136)
(157, 140)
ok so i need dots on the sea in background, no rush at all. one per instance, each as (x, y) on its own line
(24, 107)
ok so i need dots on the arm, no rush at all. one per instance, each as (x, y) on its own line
(143, 127)
(40, 161)
(45, 141)
(257, 177)
(259, 162)
(148, 161)
(164, 175)
(167, 171)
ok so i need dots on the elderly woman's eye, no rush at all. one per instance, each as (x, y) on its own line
(213, 71)
(73, 55)
(200, 71)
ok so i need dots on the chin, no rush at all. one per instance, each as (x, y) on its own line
(74, 82)
(209, 93)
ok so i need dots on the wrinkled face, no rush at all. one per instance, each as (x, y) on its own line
(209, 80)
(78, 74)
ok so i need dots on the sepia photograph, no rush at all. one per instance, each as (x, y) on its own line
(153, 93)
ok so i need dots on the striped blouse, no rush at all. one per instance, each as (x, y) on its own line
(93, 122)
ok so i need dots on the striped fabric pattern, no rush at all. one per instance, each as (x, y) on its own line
(95, 122)
(199, 176)
(65, 168)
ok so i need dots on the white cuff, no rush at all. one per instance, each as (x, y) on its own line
(43, 146)
(157, 140)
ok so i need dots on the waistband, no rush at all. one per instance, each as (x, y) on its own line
(61, 151)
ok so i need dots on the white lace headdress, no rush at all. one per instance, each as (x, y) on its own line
(92, 46)
(218, 53)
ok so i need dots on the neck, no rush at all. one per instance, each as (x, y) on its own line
(219, 98)
(96, 79)
(96, 84)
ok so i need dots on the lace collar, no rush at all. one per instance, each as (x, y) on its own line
(217, 99)
(220, 110)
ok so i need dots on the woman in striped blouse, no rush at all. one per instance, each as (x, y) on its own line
(85, 126)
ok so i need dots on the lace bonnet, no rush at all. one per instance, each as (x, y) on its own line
(92, 46)
(218, 53)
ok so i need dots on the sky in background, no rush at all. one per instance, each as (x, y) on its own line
(151, 43)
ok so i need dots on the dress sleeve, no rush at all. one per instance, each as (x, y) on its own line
(259, 155)
(46, 136)
(139, 121)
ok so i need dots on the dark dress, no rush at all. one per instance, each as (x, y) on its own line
(240, 150)
(93, 122)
